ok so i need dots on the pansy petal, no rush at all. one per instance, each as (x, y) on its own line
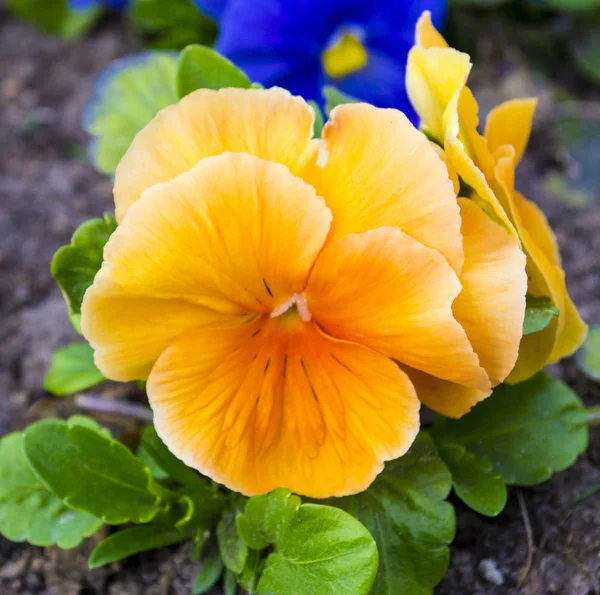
(270, 124)
(510, 124)
(449, 167)
(279, 404)
(545, 279)
(447, 398)
(128, 332)
(385, 290)
(235, 233)
(464, 165)
(433, 77)
(427, 35)
(380, 171)
(491, 305)
(571, 330)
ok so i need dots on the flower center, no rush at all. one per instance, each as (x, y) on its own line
(292, 308)
(344, 54)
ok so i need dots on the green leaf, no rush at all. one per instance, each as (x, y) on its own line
(208, 575)
(314, 545)
(74, 266)
(539, 312)
(474, 480)
(204, 510)
(253, 568)
(588, 356)
(72, 370)
(205, 505)
(134, 540)
(28, 511)
(170, 464)
(527, 430)
(318, 125)
(127, 96)
(233, 549)
(404, 510)
(318, 546)
(91, 472)
(174, 28)
(265, 517)
(55, 17)
(334, 97)
(200, 67)
(230, 583)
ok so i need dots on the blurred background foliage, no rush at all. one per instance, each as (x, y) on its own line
(548, 48)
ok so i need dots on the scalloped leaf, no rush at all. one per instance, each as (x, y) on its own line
(75, 265)
(90, 472)
(528, 430)
(200, 67)
(474, 480)
(405, 511)
(72, 369)
(127, 96)
(28, 511)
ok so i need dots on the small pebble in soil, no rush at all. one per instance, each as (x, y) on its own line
(489, 570)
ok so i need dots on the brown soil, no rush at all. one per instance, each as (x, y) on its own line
(47, 188)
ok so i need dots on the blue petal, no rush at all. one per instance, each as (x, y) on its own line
(212, 8)
(381, 83)
(82, 5)
(280, 42)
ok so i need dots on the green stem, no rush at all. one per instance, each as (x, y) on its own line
(592, 415)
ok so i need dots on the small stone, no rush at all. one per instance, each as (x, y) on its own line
(489, 570)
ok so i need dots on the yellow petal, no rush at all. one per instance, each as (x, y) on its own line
(387, 291)
(491, 305)
(236, 234)
(571, 330)
(510, 124)
(270, 124)
(466, 168)
(128, 332)
(267, 406)
(381, 171)
(427, 35)
(561, 337)
(447, 398)
(449, 167)
(434, 77)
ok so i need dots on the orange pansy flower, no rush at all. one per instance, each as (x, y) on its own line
(288, 299)
(436, 83)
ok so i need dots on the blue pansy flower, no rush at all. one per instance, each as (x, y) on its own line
(82, 5)
(358, 46)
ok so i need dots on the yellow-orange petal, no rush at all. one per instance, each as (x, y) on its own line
(510, 124)
(381, 171)
(433, 77)
(278, 403)
(385, 290)
(447, 398)
(128, 332)
(236, 234)
(270, 124)
(427, 35)
(491, 305)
